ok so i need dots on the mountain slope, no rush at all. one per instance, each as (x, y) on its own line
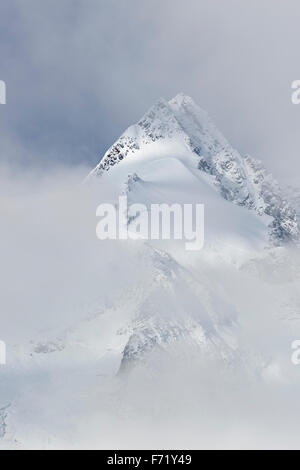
(175, 154)
(179, 127)
(141, 343)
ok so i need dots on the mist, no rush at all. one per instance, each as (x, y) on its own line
(80, 73)
(77, 74)
(64, 297)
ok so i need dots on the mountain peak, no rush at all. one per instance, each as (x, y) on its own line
(182, 99)
(180, 128)
(159, 122)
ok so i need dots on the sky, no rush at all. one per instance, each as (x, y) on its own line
(79, 72)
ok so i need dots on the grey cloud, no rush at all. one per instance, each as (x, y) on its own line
(78, 72)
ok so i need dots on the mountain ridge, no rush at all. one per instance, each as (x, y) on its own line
(239, 179)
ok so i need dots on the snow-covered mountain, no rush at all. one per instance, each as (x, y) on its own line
(175, 154)
(184, 131)
(141, 343)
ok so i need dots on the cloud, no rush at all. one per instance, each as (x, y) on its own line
(79, 73)
(67, 304)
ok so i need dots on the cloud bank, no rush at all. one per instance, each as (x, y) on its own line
(79, 73)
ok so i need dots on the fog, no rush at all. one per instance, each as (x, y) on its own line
(66, 298)
(80, 73)
(77, 74)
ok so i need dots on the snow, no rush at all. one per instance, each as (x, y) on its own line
(142, 344)
(179, 128)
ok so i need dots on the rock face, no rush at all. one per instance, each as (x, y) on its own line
(163, 322)
(241, 180)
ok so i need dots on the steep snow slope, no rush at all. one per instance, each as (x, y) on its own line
(176, 154)
(179, 127)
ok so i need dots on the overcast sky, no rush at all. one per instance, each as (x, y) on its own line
(78, 72)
